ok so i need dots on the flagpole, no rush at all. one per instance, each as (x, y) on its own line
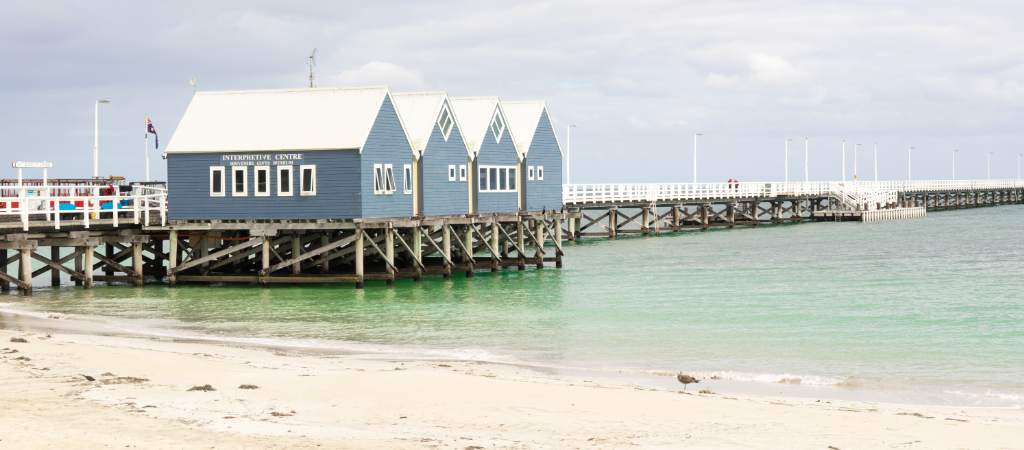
(145, 150)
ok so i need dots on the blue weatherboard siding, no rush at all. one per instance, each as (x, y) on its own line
(546, 193)
(502, 153)
(440, 196)
(188, 183)
(387, 144)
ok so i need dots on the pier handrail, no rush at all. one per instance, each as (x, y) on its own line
(28, 202)
(859, 194)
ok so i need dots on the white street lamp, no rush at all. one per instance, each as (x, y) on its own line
(988, 172)
(96, 141)
(844, 160)
(908, 163)
(954, 164)
(806, 173)
(855, 162)
(786, 159)
(567, 152)
(695, 156)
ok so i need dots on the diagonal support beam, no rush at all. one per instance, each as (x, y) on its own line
(59, 264)
(378, 250)
(434, 244)
(407, 247)
(309, 254)
(215, 255)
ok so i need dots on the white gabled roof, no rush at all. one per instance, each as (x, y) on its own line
(475, 114)
(420, 112)
(279, 119)
(523, 120)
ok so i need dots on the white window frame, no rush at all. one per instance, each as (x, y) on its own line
(256, 181)
(245, 181)
(463, 172)
(501, 125)
(407, 178)
(529, 173)
(302, 180)
(451, 172)
(446, 114)
(511, 172)
(378, 179)
(540, 173)
(291, 181)
(389, 179)
(223, 191)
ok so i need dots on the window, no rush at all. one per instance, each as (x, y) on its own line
(307, 180)
(378, 179)
(451, 173)
(529, 173)
(498, 178)
(540, 173)
(389, 179)
(239, 181)
(263, 181)
(462, 173)
(284, 181)
(445, 122)
(217, 181)
(407, 170)
(497, 126)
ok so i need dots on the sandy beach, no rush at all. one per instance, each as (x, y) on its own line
(141, 398)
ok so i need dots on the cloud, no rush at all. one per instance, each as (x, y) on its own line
(774, 70)
(621, 86)
(377, 73)
(1010, 90)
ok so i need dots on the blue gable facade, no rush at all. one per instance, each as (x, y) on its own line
(441, 196)
(386, 144)
(544, 152)
(502, 154)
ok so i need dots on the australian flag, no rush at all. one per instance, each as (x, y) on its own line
(151, 129)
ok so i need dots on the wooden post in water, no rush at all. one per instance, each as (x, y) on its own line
(646, 229)
(359, 258)
(469, 246)
(731, 214)
(389, 250)
(5, 285)
(54, 273)
(521, 240)
(417, 250)
(613, 222)
(325, 265)
(446, 245)
(540, 242)
(110, 255)
(88, 266)
(675, 218)
(265, 253)
(495, 243)
(137, 263)
(296, 244)
(558, 242)
(78, 268)
(26, 270)
(172, 258)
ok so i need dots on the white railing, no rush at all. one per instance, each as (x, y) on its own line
(854, 194)
(81, 203)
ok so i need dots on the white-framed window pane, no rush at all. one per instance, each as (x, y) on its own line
(483, 179)
(529, 173)
(451, 173)
(389, 179)
(307, 180)
(284, 181)
(540, 172)
(262, 181)
(502, 179)
(462, 173)
(378, 179)
(445, 122)
(512, 178)
(216, 181)
(407, 178)
(492, 178)
(497, 126)
(239, 183)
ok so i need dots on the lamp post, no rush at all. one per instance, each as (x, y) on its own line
(988, 171)
(695, 156)
(567, 152)
(844, 160)
(908, 163)
(96, 141)
(876, 161)
(954, 164)
(807, 177)
(855, 162)
(786, 159)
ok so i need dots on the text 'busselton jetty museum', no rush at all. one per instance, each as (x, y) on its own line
(325, 184)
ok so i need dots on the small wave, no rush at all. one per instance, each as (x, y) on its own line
(989, 394)
(784, 378)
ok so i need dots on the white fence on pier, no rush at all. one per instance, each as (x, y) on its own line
(867, 194)
(81, 204)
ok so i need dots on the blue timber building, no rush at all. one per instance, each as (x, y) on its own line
(494, 175)
(442, 167)
(542, 154)
(291, 154)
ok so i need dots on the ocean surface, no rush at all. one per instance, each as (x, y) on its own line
(927, 310)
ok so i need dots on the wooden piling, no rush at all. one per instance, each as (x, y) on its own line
(172, 258)
(54, 274)
(26, 270)
(5, 286)
(446, 246)
(88, 265)
(137, 263)
(359, 258)
(389, 250)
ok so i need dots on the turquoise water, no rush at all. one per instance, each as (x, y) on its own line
(930, 306)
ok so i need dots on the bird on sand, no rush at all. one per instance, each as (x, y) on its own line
(686, 379)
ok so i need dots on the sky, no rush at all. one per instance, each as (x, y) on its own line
(639, 78)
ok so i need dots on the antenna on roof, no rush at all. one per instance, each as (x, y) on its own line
(312, 64)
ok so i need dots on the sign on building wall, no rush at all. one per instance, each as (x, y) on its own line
(262, 159)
